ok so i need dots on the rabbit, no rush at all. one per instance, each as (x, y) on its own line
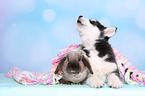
(75, 68)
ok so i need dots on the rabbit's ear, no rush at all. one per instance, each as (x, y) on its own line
(60, 65)
(87, 64)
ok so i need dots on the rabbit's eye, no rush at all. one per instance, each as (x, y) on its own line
(68, 63)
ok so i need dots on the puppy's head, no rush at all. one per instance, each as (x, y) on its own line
(74, 63)
(92, 30)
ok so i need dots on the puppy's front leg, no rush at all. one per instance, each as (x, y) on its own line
(114, 81)
(94, 81)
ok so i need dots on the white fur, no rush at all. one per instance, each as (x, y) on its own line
(88, 32)
(114, 81)
(101, 68)
(75, 78)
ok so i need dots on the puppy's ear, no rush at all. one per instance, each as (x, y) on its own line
(60, 65)
(109, 32)
(87, 64)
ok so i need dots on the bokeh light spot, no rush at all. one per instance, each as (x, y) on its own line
(49, 15)
(140, 18)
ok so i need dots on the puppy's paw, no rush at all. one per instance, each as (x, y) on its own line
(115, 83)
(95, 82)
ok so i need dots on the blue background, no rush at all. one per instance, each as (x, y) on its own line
(33, 31)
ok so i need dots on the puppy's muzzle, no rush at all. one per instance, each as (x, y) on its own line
(79, 20)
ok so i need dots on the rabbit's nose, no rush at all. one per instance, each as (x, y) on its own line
(73, 68)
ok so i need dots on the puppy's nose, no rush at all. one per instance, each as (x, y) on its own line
(80, 16)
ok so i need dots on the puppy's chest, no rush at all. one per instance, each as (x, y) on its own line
(95, 59)
(99, 65)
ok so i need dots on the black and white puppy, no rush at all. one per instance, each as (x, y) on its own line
(94, 37)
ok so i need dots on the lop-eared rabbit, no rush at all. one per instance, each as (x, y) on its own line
(75, 68)
(94, 37)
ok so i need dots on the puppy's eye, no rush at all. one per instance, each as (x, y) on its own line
(93, 22)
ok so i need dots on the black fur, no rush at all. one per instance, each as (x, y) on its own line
(98, 24)
(101, 28)
(102, 45)
(106, 38)
(104, 48)
(101, 34)
(86, 51)
(116, 73)
(80, 16)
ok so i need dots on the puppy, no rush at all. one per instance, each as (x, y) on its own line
(94, 37)
(75, 68)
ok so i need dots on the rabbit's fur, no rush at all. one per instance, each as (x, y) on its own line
(75, 68)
